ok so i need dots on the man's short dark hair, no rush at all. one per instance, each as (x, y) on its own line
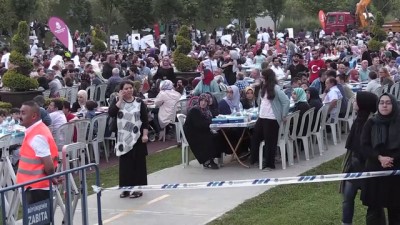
(91, 105)
(58, 104)
(35, 107)
(295, 80)
(372, 75)
(67, 105)
(3, 113)
(321, 72)
(331, 73)
(15, 110)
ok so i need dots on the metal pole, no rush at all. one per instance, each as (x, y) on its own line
(3, 208)
(24, 207)
(100, 220)
(67, 216)
(51, 194)
(85, 220)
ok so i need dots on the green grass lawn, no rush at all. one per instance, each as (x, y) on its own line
(308, 204)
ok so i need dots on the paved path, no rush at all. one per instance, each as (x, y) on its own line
(192, 206)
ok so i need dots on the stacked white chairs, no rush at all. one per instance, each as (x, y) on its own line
(184, 144)
(318, 130)
(395, 90)
(90, 91)
(100, 94)
(82, 132)
(333, 123)
(94, 139)
(65, 135)
(306, 123)
(347, 120)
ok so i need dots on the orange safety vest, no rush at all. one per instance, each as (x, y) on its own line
(30, 166)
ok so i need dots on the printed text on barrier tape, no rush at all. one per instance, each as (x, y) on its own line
(258, 182)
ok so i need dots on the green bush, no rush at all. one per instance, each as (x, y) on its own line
(5, 105)
(184, 32)
(22, 64)
(19, 82)
(379, 19)
(20, 41)
(98, 45)
(375, 45)
(184, 45)
(184, 63)
(97, 32)
(378, 33)
(48, 100)
(306, 23)
(252, 39)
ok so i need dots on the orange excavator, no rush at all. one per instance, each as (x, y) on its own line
(362, 14)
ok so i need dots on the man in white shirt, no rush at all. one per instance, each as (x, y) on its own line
(249, 59)
(136, 44)
(265, 36)
(163, 49)
(259, 36)
(34, 49)
(276, 67)
(332, 96)
(5, 58)
(57, 116)
(373, 84)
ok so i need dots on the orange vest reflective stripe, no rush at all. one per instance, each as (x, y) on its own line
(30, 166)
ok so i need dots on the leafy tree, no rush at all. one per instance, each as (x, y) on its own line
(382, 6)
(210, 10)
(110, 7)
(7, 16)
(313, 6)
(24, 9)
(137, 13)
(166, 11)
(243, 10)
(275, 10)
(80, 11)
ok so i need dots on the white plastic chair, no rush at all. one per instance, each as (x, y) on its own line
(283, 141)
(306, 138)
(62, 92)
(292, 121)
(348, 118)
(65, 135)
(100, 94)
(395, 89)
(95, 140)
(333, 123)
(179, 108)
(385, 88)
(90, 91)
(72, 94)
(82, 130)
(185, 145)
(319, 128)
(75, 155)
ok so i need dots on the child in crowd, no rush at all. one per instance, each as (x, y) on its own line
(91, 109)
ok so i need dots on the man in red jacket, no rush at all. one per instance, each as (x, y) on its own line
(315, 65)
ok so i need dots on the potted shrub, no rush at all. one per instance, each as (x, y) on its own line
(20, 86)
(185, 65)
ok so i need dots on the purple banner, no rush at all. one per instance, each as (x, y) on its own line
(61, 31)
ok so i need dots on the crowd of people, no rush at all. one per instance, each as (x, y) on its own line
(278, 75)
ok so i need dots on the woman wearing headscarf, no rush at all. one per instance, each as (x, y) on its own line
(80, 104)
(231, 102)
(213, 105)
(248, 99)
(165, 101)
(380, 144)
(207, 84)
(300, 104)
(165, 71)
(365, 106)
(198, 134)
(314, 101)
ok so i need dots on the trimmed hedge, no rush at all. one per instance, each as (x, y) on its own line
(18, 82)
(22, 64)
